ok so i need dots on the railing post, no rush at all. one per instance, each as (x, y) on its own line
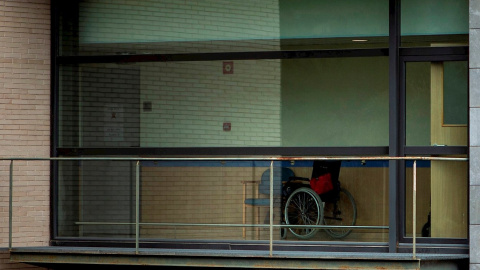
(414, 208)
(271, 208)
(10, 207)
(137, 206)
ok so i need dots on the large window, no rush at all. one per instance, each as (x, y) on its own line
(201, 79)
(190, 104)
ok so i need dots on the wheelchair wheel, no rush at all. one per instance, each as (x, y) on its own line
(303, 207)
(341, 213)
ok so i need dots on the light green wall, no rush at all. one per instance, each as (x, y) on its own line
(455, 93)
(104, 21)
(335, 102)
(192, 100)
(418, 103)
(324, 102)
(326, 18)
(433, 17)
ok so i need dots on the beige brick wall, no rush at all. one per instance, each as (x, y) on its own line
(25, 121)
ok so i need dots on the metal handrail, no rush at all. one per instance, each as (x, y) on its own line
(271, 159)
(165, 224)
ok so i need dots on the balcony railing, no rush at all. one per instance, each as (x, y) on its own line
(271, 226)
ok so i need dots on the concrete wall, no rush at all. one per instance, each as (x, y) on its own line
(474, 105)
(25, 121)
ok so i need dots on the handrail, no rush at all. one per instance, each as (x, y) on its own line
(252, 158)
(229, 225)
(271, 159)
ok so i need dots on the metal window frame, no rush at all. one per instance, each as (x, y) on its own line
(397, 55)
(433, 54)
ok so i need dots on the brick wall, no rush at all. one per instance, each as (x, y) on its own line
(25, 121)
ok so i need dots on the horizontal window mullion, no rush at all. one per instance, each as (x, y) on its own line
(436, 150)
(228, 151)
(131, 58)
(435, 51)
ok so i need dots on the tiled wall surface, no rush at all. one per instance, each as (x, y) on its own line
(170, 20)
(474, 134)
(25, 121)
(192, 100)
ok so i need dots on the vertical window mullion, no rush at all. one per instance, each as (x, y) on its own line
(394, 106)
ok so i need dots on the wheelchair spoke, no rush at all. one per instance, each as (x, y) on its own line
(303, 208)
(343, 212)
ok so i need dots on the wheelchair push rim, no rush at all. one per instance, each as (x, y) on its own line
(305, 208)
(343, 212)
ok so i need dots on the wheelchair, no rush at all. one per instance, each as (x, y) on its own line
(302, 206)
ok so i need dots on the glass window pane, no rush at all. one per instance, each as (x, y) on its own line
(166, 26)
(181, 104)
(176, 197)
(441, 201)
(323, 24)
(455, 93)
(95, 27)
(437, 103)
(310, 102)
(93, 196)
(335, 102)
(434, 23)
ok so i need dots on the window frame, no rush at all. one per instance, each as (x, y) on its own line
(397, 242)
(440, 54)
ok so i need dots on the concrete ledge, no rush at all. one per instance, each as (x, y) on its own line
(233, 259)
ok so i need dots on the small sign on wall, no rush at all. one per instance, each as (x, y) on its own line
(113, 120)
(228, 67)
(227, 126)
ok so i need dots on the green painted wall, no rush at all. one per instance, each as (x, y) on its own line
(103, 21)
(335, 102)
(326, 18)
(433, 17)
(418, 103)
(455, 93)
